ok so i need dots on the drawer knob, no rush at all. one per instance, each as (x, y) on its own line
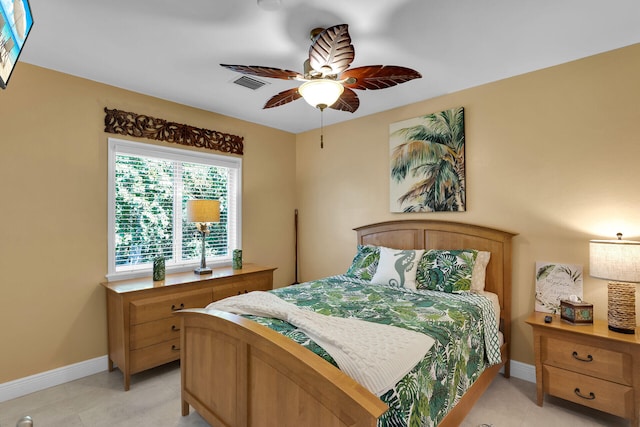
(174, 308)
(590, 397)
(582, 359)
(174, 328)
(176, 348)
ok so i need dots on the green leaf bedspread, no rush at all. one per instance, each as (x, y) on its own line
(457, 322)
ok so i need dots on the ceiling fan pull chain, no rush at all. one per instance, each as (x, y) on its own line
(322, 128)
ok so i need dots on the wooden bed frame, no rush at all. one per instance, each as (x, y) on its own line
(238, 373)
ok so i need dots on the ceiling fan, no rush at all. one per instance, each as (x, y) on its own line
(327, 79)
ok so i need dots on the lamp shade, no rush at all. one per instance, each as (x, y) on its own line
(321, 93)
(203, 210)
(617, 260)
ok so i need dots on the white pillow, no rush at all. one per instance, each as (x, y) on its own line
(397, 267)
(480, 271)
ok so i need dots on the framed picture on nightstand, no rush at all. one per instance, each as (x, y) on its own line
(556, 282)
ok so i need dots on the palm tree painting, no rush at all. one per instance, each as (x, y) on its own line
(427, 163)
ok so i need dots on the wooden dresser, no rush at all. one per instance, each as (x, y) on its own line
(587, 364)
(142, 330)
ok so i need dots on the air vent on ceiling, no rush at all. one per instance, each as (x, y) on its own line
(250, 82)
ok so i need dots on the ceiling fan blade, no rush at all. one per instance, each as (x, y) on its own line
(331, 51)
(379, 76)
(257, 70)
(282, 98)
(348, 101)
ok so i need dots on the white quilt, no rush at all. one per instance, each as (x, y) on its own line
(375, 355)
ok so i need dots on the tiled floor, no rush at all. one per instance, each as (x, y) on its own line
(512, 403)
(99, 401)
(154, 401)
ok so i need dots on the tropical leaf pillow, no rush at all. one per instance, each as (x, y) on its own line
(365, 262)
(480, 271)
(446, 270)
(397, 267)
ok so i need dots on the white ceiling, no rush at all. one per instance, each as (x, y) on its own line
(172, 49)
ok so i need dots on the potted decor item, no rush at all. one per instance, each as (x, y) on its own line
(237, 259)
(158, 268)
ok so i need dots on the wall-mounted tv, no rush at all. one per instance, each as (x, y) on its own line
(15, 24)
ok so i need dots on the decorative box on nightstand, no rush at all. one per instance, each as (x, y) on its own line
(576, 313)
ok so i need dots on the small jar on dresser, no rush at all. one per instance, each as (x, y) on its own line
(587, 364)
(142, 330)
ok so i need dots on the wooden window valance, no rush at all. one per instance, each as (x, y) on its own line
(141, 126)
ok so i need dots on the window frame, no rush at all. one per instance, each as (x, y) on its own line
(234, 237)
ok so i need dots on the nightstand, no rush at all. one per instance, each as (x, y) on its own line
(587, 364)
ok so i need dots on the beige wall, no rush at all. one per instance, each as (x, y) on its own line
(551, 155)
(53, 240)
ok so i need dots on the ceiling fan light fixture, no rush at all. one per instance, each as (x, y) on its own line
(321, 93)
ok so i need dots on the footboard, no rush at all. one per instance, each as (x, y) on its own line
(236, 372)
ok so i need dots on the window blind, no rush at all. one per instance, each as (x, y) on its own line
(149, 188)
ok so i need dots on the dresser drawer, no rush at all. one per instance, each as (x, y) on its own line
(603, 395)
(598, 362)
(149, 309)
(150, 333)
(244, 285)
(154, 355)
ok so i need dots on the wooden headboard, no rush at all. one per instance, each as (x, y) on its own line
(431, 234)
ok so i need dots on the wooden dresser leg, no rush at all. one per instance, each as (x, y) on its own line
(185, 408)
(127, 382)
(540, 394)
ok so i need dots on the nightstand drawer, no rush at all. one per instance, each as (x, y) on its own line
(597, 362)
(606, 396)
(149, 309)
(150, 333)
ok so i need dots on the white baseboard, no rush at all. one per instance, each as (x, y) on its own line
(27, 385)
(22, 386)
(523, 371)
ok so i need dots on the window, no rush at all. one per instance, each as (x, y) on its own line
(148, 189)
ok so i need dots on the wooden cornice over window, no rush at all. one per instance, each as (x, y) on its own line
(141, 126)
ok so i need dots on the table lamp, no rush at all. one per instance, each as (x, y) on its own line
(619, 262)
(202, 212)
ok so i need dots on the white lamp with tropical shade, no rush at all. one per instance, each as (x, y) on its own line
(203, 212)
(619, 262)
